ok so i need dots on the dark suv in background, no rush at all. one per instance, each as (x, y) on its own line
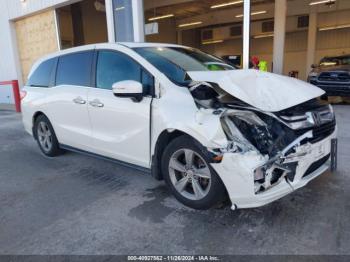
(332, 75)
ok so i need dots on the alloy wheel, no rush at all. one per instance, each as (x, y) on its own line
(190, 174)
(44, 136)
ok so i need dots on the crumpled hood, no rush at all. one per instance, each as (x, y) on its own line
(265, 91)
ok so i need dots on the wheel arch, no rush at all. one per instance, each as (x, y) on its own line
(164, 138)
(35, 117)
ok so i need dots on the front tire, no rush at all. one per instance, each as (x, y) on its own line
(46, 137)
(188, 174)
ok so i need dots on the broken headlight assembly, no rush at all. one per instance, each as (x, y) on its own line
(256, 130)
(248, 130)
(276, 137)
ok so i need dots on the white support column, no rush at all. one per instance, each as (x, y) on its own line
(110, 21)
(279, 35)
(311, 41)
(246, 33)
(138, 21)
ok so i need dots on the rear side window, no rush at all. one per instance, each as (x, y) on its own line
(75, 69)
(41, 77)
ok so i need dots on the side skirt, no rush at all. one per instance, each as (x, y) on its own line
(116, 161)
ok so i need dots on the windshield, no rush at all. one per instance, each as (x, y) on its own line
(335, 61)
(174, 62)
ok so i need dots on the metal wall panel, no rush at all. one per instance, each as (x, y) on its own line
(14, 10)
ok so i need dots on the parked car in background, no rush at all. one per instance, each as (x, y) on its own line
(208, 129)
(332, 75)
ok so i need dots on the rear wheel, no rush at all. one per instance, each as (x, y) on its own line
(46, 137)
(186, 170)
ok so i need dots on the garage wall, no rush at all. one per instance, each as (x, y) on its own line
(36, 37)
(66, 27)
(167, 32)
(94, 23)
(12, 10)
(6, 94)
(8, 70)
(329, 43)
(191, 37)
(333, 42)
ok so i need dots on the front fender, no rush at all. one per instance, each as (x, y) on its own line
(176, 110)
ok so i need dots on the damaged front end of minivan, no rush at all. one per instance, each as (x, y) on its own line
(268, 154)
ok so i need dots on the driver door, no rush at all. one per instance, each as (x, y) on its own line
(120, 125)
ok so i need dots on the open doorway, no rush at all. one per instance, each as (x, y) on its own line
(82, 23)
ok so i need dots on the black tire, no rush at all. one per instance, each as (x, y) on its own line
(216, 192)
(54, 149)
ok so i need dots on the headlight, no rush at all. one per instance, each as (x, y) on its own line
(260, 131)
(237, 141)
(254, 129)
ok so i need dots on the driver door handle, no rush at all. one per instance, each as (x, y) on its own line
(96, 103)
(79, 101)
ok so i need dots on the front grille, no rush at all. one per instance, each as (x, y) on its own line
(334, 77)
(319, 132)
(314, 166)
(301, 109)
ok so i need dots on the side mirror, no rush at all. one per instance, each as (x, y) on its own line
(313, 66)
(128, 88)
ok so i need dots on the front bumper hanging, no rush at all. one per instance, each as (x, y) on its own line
(282, 175)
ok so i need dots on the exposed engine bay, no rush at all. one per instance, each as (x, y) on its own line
(280, 137)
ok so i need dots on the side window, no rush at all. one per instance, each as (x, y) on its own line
(147, 81)
(75, 69)
(113, 67)
(42, 75)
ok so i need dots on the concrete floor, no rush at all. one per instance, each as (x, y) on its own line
(76, 204)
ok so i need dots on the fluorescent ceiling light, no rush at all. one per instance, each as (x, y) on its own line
(227, 4)
(329, 63)
(212, 42)
(263, 36)
(119, 8)
(253, 13)
(334, 27)
(322, 2)
(190, 24)
(160, 17)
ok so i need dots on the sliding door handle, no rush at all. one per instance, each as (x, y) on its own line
(79, 101)
(96, 103)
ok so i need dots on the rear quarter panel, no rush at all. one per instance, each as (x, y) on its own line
(34, 101)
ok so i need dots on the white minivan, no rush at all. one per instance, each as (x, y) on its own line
(210, 130)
